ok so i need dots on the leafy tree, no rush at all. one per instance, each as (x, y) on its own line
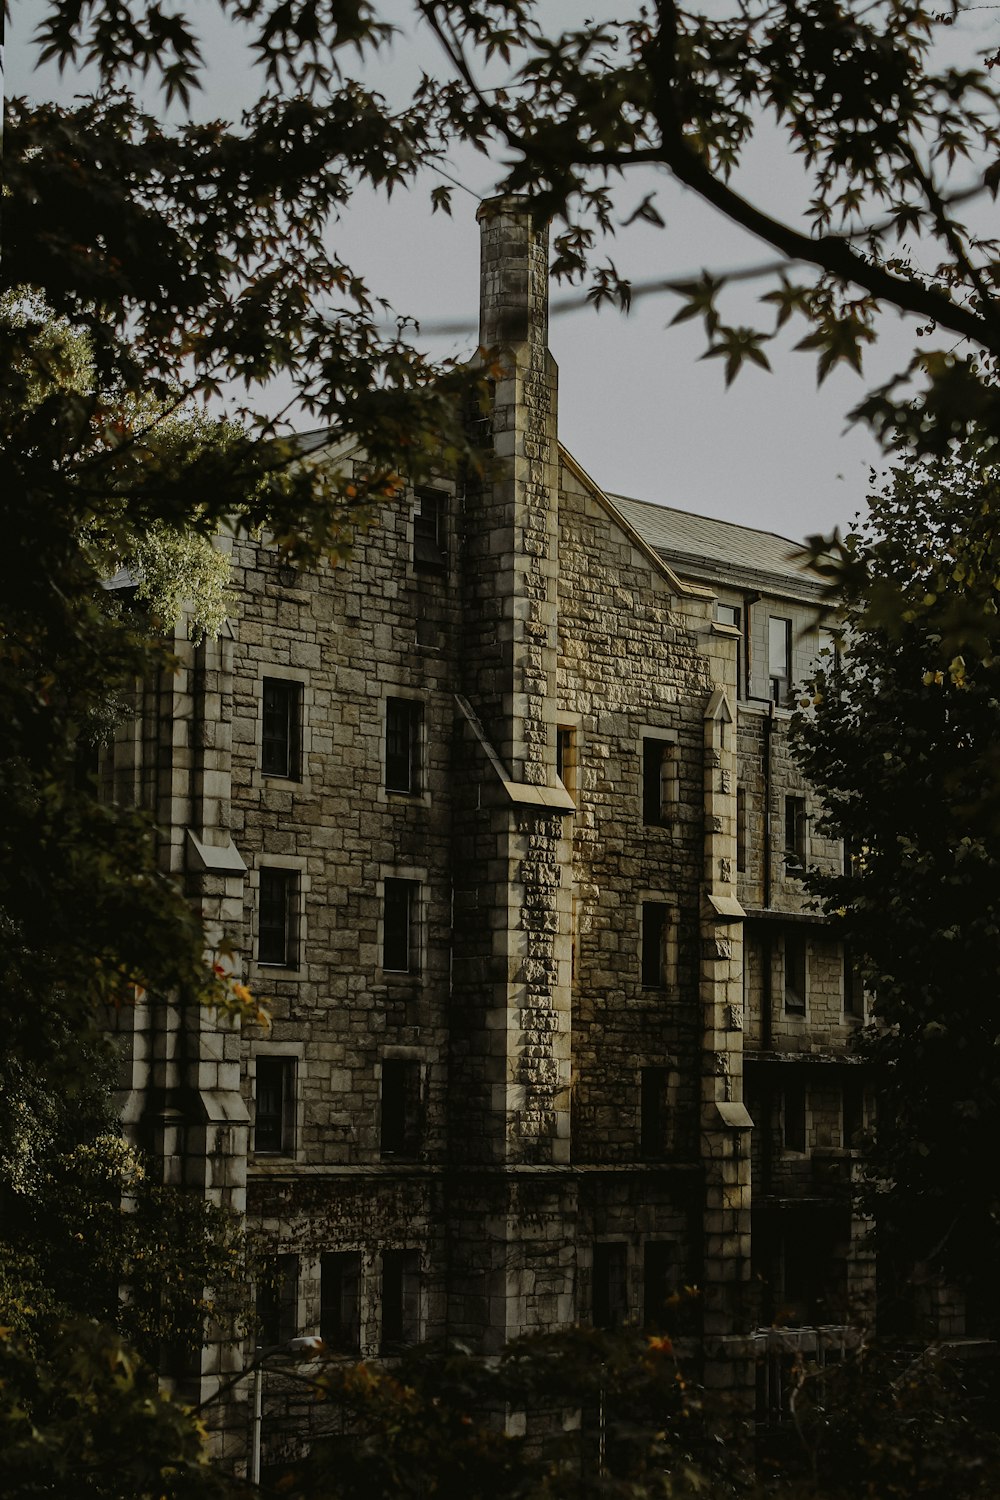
(895, 144)
(901, 741)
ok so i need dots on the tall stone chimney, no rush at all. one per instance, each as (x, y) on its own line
(513, 532)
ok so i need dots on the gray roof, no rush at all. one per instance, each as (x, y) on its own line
(709, 550)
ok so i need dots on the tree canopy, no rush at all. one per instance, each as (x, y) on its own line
(900, 742)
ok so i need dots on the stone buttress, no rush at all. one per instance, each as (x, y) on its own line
(512, 1210)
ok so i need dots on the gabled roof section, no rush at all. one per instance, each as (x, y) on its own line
(704, 548)
(612, 505)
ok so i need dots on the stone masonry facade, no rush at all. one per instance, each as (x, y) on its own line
(501, 819)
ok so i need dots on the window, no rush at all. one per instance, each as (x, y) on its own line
(659, 1278)
(854, 991)
(400, 1299)
(281, 730)
(399, 1132)
(277, 1300)
(274, 1101)
(403, 721)
(852, 1111)
(400, 931)
(741, 830)
(654, 933)
(660, 781)
(795, 833)
(430, 540)
(566, 757)
(610, 1305)
(730, 614)
(779, 657)
(277, 910)
(795, 974)
(654, 1117)
(793, 1117)
(340, 1303)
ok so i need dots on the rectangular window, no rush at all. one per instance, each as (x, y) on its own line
(854, 990)
(277, 1300)
(660, 781)
(779, 657)
(654, 1106)
(430, 540)
(610, 1296)
(281, 729)
(566, 757)
(274, 1106)
(277, 912)
(654, 935)
(795, 974)
(659, 1279)
(340, 1302)
(793, 1117)
(741, 830)
(398, 1131)
(795, 833)
(403, 721)
(731, 614)
(852, 1117)
(400, 1299)
(400, 930)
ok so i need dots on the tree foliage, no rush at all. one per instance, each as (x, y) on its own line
(901, 743)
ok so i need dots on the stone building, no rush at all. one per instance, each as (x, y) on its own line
(502, 819)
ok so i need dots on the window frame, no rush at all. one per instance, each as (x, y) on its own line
(429, 550)
(609, 1302)
(796, 997)
(396, 889)
(779, 683)
(411, 711)
(290, 768)
(654, 942)
(659, 778)
(399, 1108)
(285, 1067)
(794, 1119)
(796, 832)
(290, 879)
(338, 1290)
(401, 1278)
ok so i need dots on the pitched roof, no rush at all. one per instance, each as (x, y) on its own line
(711, 550)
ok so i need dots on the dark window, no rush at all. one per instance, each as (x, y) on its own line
(795, 966)
(659, 781)
(403, 718)
(741, 830)
(659, 1284)
(277, 1299)
(400, 1299)
(399, 1127)
(430, 540)
(400, 946)
(610, 1306)
(276, 935)
(793, 1117)
(654, 1116)
(854, 990)
(340, 1305)
(566, 757)
(795, 833)
(779, 657)
(281, 730)
(274, 1100)
(654, 932)
(852, 1118)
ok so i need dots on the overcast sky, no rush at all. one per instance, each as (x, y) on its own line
(638, 407)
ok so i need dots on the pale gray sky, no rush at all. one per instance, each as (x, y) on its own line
(638, 407)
